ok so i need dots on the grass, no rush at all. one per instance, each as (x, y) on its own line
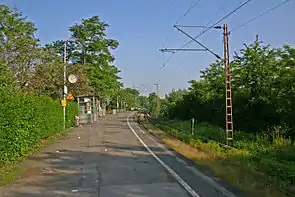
(14, 170)
(257, 167)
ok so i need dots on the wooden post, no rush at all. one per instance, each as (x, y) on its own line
(193, 125)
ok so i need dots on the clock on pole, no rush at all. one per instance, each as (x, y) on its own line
(73, 78)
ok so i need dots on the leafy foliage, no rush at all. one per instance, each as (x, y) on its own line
(263, 91)
(90, 57)
(143, 102)
(24, 124)
(30, 78)
(129, 96)
(16, 41)
(272, 163)
(126, 97)
(92, 49)
(263, 108)
(152, 100)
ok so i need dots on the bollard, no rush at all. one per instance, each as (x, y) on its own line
(77, 121)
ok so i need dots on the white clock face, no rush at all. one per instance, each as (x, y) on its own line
(72, 78)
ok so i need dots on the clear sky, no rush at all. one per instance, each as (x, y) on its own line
(142, 26)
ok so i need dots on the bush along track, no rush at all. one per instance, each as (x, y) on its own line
(29, 120)
(256, 166)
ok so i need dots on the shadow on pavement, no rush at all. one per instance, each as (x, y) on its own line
(86, 173)
(105, 164)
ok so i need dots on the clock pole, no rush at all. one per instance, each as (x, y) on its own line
(64, 88)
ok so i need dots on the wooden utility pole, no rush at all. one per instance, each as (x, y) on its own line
(228, 93)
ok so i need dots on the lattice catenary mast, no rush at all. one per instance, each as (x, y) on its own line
(228, 94)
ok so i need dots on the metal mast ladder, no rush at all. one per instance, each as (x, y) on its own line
(229, 110)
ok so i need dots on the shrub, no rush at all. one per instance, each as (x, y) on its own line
(25, 120)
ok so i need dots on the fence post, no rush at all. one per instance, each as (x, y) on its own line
(193, 125)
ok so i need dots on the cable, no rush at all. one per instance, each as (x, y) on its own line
(207, 25)
(216, 23)
(201, 26)
(191, 7)
(167, 36)
(260, 15)
(220, 20)
(145, 87)
(217, 56)
(166, 62)
(205, 48)
(204, 27)
(216, 14)
(193, 4)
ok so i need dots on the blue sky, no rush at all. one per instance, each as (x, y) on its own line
(142, 26)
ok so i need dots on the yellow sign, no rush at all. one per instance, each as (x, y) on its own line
(64, 103)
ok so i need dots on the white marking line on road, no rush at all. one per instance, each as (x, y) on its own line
(164, 148)
(174, 174)
(139, 128)
(196, 172)
(159, 144)
(212, 182)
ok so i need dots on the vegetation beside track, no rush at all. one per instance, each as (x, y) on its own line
(259, 169)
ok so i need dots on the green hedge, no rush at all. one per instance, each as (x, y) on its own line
(26, 120)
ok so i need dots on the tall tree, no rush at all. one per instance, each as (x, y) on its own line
(18, 45)
(263, 90)
(143, 102)
(153, 97)
(46, 78)
(128, 96)
(92, 49)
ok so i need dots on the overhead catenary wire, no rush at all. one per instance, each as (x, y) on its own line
(193, 39)
(200, 26)
(167, 36)
(219, 21)
(191, 7)
(207, 29)
(216, 14)
(171, 56)
(260, 15)
(220, 9)
(145, 87)
(166, 62)
(172, 50)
